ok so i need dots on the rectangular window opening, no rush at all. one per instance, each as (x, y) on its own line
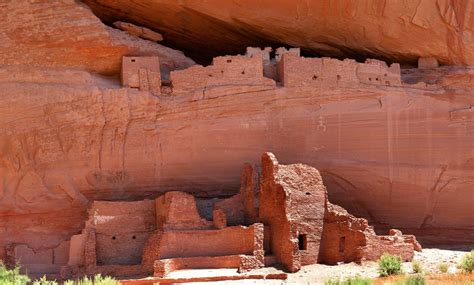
(342, 244)
(302, 242)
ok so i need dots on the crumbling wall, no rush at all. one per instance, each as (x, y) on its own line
(292, 222)
(164, 266)
(177, 210)
(292, 205)
(227, 75)
(142, 72)
(377, 72)
(350, 239)
(114, 235)
(121, 230)
(242, 208)
(37, 262)
(297, 71)
(218, 242)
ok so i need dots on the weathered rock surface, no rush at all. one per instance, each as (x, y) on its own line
(400, 31)
(68, 34)
(396, 155)
(401, 155)
(141, 32)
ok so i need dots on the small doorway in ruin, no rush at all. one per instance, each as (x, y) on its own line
(302, 242)
(342, 245)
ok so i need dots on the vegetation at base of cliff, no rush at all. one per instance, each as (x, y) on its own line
(350, 281)
(416, 267)
(389, 265)
(14, 277)
(443, 267)
(467, 262)
(417, 279)
(96, 280)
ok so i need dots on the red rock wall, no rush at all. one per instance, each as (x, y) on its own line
(398, 30)
(62, 146)
(67, 34)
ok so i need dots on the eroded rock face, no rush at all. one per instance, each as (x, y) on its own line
(400, 31)
(385, 145)
(69, 137)
(67, 34)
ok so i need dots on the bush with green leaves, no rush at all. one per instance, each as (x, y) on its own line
(389, 265)
(12, 276)
(357, 280)
(417, 279)
(443, 267)
(96, 280)
(44, 281)
(416, 267)
(467, 262)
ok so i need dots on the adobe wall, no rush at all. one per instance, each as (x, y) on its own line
(162, 267)
(37, 262)
(297, 71)
(177, 211)
(292, 206)
(227, 241)
(343, 236)
(350, 239)
(226, 75)
(242, 208)
(142, 72)
(120, 231)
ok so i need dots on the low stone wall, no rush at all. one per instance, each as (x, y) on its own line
(164, 266)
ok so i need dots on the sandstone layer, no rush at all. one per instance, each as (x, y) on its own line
(396, 155)
(399, 31)
(68, 34)
(397, 151)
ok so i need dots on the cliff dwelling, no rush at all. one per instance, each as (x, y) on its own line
(286, 220)
(233, 141)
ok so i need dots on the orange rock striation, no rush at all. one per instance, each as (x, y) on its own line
(399, 31)
(69, 137)
(394, 146)
(68, 34)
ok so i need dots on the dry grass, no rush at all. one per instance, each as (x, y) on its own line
(431, 279)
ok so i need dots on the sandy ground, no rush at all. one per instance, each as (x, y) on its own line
(319, 273)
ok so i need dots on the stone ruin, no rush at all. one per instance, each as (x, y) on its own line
(281, 216)
(257, 71)
(142, 72)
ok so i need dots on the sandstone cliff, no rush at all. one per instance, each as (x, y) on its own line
(399, 31)
(399, 155)
(67, 34)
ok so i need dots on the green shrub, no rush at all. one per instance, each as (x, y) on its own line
(389, 265)
(417, 279)
(96, 280)
(44, 281)
(350, 281)
(416, 267)
(104, 280)
(12, 276)
(443, 267)
(467, 262)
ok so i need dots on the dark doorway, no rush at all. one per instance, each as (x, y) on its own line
(302, 242)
